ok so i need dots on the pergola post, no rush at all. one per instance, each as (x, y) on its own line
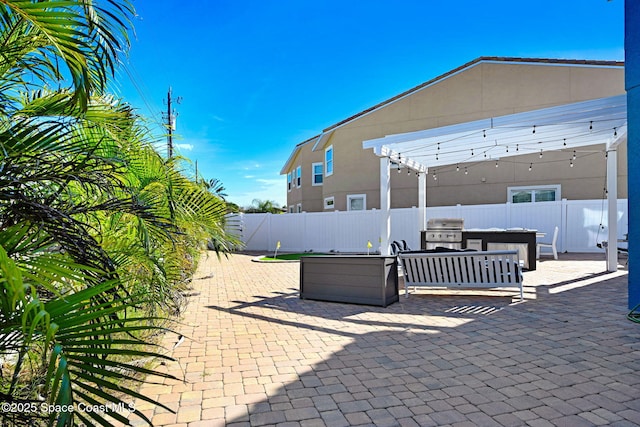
(422, 200)
(612, 201)
(385, 205)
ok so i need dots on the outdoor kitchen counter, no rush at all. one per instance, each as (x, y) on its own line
(520, 239)
(358, 279)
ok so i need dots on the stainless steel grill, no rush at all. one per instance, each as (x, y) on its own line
(443, 232)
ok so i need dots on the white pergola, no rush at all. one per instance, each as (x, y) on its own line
(565, 128)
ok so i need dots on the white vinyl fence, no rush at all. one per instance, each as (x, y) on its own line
(582, 223)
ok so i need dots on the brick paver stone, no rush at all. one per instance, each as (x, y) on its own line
(255, 354)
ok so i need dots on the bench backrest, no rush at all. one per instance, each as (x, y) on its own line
(460, 268)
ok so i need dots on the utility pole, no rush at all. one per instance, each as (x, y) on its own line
(170, 118)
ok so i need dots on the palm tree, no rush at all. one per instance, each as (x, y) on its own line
(95, 227)
(216, 187)
(263, 206)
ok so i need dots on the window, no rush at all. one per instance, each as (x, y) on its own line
(299, 176)
(329, 202)
(542, 193)
(289, 181)
(291, 209)
(328, 161)
(299, 208)
(357, 202)
(317, 173)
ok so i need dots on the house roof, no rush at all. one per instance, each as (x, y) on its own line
(320, 138)
(294, 153)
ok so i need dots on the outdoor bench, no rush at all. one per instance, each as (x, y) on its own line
(461, 270)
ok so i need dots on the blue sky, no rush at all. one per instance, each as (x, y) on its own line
(257, 77)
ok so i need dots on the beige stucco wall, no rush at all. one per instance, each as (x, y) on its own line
(486, 89)
(308, 195)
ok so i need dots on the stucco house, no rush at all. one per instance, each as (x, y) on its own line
(332, 171)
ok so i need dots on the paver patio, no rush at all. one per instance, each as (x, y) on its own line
(255, 354)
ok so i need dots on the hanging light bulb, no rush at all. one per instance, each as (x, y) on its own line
(615, 131)
(484, 133)
(466, 172)
(517, 147)
(591, 125)
(541, 153)
(507, 148)
(398, 167)
(472, 151)
(408, 171)
(571, 163)
(485, 154)
(574, 154)
(534, 128)
(530, 166)
(457, 168)
(564, 142)
(435, 177)
(496, 163)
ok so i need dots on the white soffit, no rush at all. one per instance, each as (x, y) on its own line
(566, 127)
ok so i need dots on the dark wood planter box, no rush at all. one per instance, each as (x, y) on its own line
(358, 279)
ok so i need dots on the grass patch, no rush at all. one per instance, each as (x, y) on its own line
(289, 257)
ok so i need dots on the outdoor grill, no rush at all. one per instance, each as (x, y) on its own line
(443, 232)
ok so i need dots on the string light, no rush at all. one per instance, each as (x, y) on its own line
(496, 163)
(530, 166)
(408, 171)
(534, 128)
(484, 133)
(466, 172)
(571, 163)
(507, 148)
(574, 154)
(398, 167)
(435, 177)
(472, 151)
(457, 168)
(541, 153)
(591, 125)
(517, 147)
(615, 131)
(564, 142)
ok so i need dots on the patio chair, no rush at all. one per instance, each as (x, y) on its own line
(397, 247)
(551, 245)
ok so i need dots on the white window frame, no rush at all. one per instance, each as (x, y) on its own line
(299, 208)
(289, 182)
(314, 174)
(533, 189)
(299, 176)
(357, 196)
(329, 202)
(329, 164)
(291, 209)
